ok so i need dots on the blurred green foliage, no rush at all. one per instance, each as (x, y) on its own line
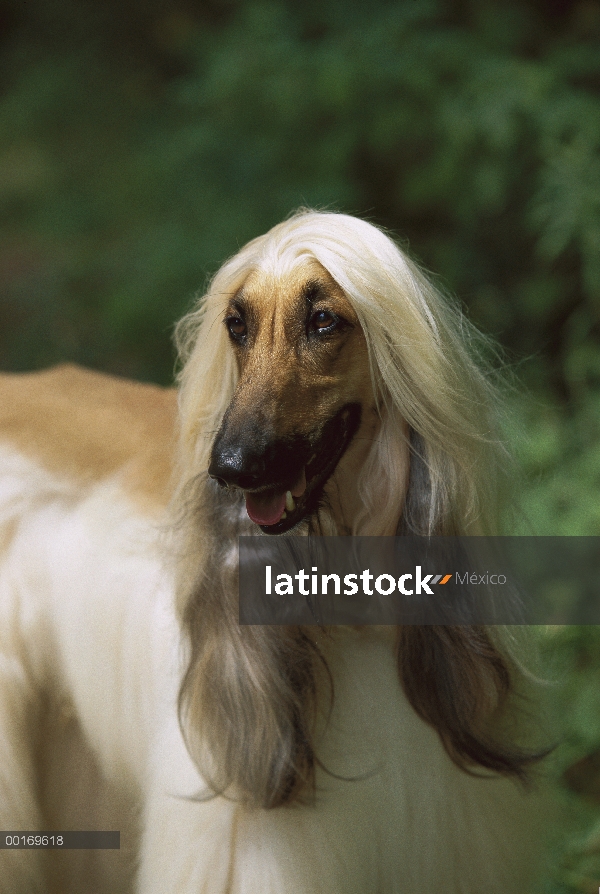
(572, 670)
(142, 144)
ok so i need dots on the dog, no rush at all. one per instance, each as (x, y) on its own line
(327, 388)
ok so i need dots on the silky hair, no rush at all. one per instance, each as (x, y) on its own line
(251, 696)
(421, 350)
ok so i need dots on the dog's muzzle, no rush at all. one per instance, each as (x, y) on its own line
(282, 479)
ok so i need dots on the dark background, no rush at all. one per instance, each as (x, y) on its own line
(143, 143)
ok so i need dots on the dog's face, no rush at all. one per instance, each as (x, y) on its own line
(303, 415)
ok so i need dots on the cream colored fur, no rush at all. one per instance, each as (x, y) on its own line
(88, 623)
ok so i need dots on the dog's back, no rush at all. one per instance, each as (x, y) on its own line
(87, 629)
(85, 426)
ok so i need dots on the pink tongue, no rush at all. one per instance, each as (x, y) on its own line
(265, 508)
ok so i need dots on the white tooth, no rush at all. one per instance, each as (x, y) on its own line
(289, 501)
(283, 515)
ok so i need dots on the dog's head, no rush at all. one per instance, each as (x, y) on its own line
(321, 365)
(303, 412)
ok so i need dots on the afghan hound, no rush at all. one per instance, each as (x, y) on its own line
(326, 389)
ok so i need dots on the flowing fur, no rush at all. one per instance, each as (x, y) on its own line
(421, 359)
(260, 759)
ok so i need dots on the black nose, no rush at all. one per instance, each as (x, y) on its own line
(252, 460)
(238, 467)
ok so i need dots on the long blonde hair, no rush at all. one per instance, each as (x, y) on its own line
(248, 700)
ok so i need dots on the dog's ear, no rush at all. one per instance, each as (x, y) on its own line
(248, 708)
(459, 682)
(416, 515)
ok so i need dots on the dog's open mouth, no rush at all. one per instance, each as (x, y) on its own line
(267, 508)
(279, 509)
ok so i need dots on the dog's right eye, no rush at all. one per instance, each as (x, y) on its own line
(236, 326)
(323, 322)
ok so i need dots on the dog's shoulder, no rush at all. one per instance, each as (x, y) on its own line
(88, 425)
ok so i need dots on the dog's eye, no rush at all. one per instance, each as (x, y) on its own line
(236, 326)
(323, 321)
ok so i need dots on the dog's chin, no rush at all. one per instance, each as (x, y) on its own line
(307, 495)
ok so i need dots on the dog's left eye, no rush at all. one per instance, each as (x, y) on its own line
(323, 321)
(236, 326)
